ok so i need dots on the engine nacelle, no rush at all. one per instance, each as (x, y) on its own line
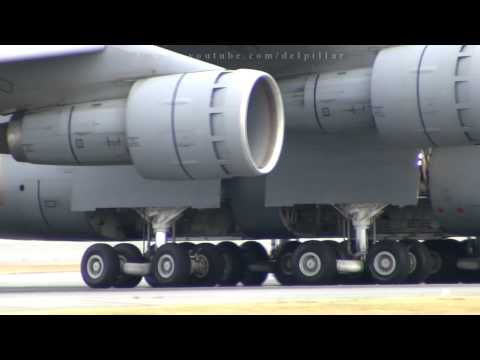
(333, 103)
(425, 95)
(206, 125)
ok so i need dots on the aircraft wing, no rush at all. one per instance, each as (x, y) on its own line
(15, 53)
(284, 60)
(39, 76)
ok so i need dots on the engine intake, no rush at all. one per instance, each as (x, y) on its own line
(205, 125)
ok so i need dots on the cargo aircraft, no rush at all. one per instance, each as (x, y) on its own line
(376, 145)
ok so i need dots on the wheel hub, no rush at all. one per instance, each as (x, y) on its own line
(310, 264)
(166, 266)
(123, 259)
(385, 263)
(201, 266)
(95, 266)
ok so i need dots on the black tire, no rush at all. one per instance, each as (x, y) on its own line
(396, 256)
(253, 252)
(128, 253)
(283, 268)
(323, 258)
(150, 278)
(188, 246)
(215, 265)
(421, 268)
(152, 281)
(106, 258)
(234, 265)
(447, 253)
(171, 266)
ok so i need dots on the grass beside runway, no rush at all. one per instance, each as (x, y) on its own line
(447, 305)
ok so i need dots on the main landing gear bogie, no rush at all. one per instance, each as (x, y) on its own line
(292, 263)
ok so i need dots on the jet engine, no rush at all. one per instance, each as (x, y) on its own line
(417, 96)
(205, 125)
(424, 95)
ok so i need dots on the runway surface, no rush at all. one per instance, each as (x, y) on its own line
(64, 293)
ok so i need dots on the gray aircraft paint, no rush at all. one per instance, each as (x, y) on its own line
(88, 77)
(315, 167)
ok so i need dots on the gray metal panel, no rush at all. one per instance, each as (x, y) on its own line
(251, 216)
(454, 183)
(54, 197)
(122, 187)
(340, 169)
(35, 200)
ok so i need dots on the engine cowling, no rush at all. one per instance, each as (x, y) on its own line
(423, 95)
(332, 103)
(205, 125)
(215, 125)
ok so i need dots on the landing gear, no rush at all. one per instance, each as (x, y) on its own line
(445, 254)
(171, 265)
(207, 265)
(389, 263)
(234, 266)
(420, 262)
(150, 279)
(253, 254)
(283, 268)
(128, 253)
(315, 263)
(100, 266)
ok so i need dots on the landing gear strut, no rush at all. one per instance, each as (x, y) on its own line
(388, 262)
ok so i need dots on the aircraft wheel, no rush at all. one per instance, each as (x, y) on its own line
(315, 263)
(445, 254)
(389, 263)
(234, 265)
(171, 265)
(208, 267)
(420, 263)
(151, 280)
(100, 266)
(253, 252)
(187, 246)
(283, 268)
(469, 249)
(128, 253)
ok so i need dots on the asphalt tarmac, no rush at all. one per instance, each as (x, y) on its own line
(65, 294)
